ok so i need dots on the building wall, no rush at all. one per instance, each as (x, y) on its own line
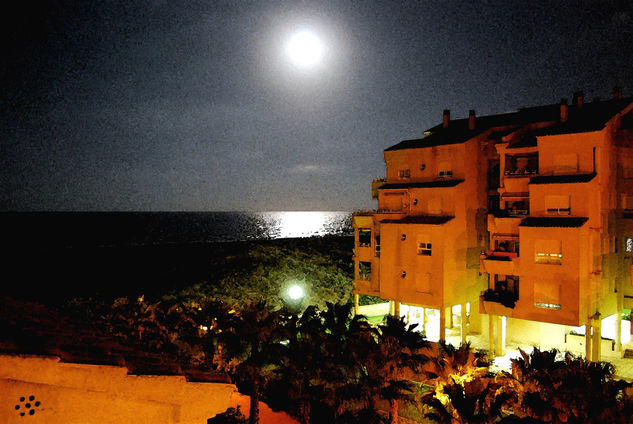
(49, 391)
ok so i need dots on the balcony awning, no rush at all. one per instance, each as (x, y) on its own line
(505, 236)
(425, 184)
(562, 179)
(421, 219)
(567, 222)
(519, 195)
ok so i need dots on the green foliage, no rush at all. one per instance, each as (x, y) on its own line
(265, 272)
(364, 299)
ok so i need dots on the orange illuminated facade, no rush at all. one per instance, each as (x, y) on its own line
(517, 226)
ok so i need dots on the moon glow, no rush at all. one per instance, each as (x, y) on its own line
(305, 49)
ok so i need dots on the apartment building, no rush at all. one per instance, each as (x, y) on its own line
(517, 226)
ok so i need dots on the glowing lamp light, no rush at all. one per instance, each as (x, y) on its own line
(295, 292)
(305, 49)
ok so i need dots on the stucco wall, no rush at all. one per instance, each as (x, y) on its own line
(46, 390)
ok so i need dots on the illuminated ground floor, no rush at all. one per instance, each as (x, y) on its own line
(504, 336)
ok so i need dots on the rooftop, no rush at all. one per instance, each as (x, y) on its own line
(592, 116)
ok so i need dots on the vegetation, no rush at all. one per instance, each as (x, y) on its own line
(324, 365)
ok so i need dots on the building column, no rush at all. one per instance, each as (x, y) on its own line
(618, 322)
(391, 307)
(396, 308)
(464, 324)
(588, 339)
(450, 317)
(596, 343)
(442, 323)
(424, 320)
(355, 304)
(491, 335)
(499, 336)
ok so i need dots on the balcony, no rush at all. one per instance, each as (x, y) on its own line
(497, 302)
(495, 262)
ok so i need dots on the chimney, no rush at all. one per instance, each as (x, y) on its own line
(447, 118)
(471, 119)
(617, 93)
(563, 110)
(579, 98)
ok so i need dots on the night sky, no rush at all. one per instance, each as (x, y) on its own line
(194, 105)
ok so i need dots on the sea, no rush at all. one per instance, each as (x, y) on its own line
(56, 256)
(75, 229)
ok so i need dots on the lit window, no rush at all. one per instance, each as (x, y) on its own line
(628, 244)
(364, 271)
(425, 249)
(557, 205)
(547, 305)
(364, 237)
(548, 252)
(445, 170)
(404, 173)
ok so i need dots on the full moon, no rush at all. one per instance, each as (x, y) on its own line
(295, 292)
(305, 49)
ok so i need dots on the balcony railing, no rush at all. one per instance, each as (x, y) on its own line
(559, 211)
(499, 255)
(520, 172)
(506, 297)
(517, 211)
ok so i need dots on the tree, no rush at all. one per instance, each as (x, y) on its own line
(248, 341)
(570, 389)
(396, 358)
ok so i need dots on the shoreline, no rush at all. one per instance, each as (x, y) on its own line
(53, 274)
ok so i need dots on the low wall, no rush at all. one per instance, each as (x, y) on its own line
(44, 390)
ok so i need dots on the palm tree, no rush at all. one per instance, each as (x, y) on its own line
(248, 343)
(569, 389)
(395, 359)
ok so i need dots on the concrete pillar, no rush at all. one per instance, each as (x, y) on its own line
(391, 307)
(588, 340)
(499, 339)
(464, 324)
(442, 323)
(396, 309)
(424, 320)
(596, 343)
(618, 322)
(409, 315)
(355, 304)
(491, 335)
(450, 317)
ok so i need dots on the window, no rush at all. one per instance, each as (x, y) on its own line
(566, 163)
(415, 202)
(423, 167)
(377, 251)
(425, 249)
(521, 164)
(547, 295)
(364, 237)
(423, 282)
(548, 252)
(404, 173)
(557, 205)
(627, 205)
(518, 207)
(547, 305)
(445, 170)
(364, 271)
(434, 206)
(628, 244)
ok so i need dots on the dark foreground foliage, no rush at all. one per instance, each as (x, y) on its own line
(325, 365)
